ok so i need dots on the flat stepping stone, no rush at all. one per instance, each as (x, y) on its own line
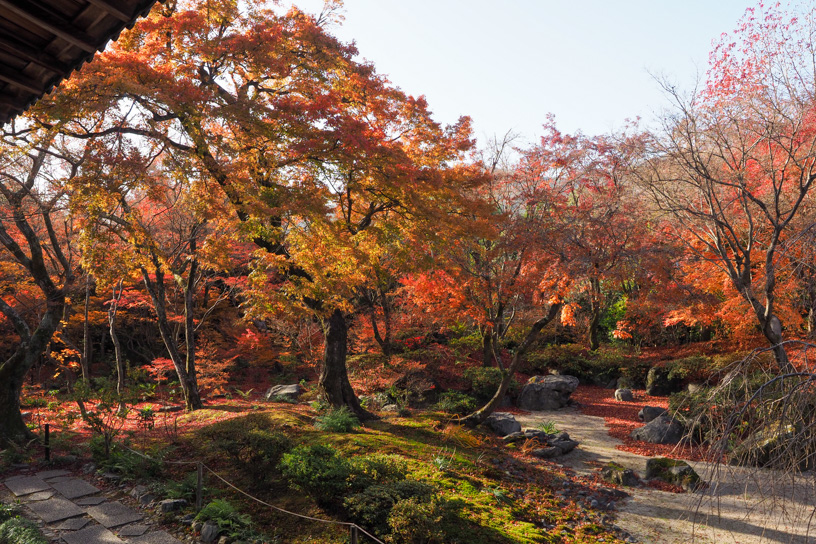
(113, 514)
(90, 501)
(26, 485)
(39, 496)
(46, 474)
(135, 529)
(74, 524)
(75, 488)
(156, 537)
(96, 534)
(58, 479)
(55, 509)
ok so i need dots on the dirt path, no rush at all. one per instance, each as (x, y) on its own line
(742, 508)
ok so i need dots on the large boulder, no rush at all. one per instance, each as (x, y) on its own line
(503, 423)
(660, 383)
(674, 472)
(624, 395)
(547, 392)
(661, 430)
(769, 446)
(648, 413)
(286, 393)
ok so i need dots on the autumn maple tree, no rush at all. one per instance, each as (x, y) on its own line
(39, 263)
(736, 163)
(311, 148)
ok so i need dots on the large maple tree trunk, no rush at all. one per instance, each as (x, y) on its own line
(333, 384)
(14, 369)
(484, 412)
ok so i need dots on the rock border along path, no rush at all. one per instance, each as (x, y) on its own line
(741, 508)
(74, 511)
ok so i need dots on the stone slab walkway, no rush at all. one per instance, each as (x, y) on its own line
(76, 512)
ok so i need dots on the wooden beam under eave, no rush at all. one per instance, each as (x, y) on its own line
(65, 31)
(113, 10)
(30, 54)
(17, 79)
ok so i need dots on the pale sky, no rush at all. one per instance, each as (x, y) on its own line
(508, 63)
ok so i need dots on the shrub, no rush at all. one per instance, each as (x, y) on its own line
(690, 368)
(318, 470)
(128, 464)
(20, 531)
(250, 442)
(377, 468)
(337, 420)
(425, 355)
(455, 402)
(466, 344)
(371, 507)
(229, 520)
(414, 521)
(485, 382)
(634, 375)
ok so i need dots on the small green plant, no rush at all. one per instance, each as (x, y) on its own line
(443, 460)
(455, 402)
(548, 427)
(232, 523)
(245, 394)
(337, 420)
(20, 531)
(283, 398)
(376, 468)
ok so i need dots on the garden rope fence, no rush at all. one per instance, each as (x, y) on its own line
(354, 529)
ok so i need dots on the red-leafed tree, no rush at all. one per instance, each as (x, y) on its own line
(35, 237)
(736, 162)
(313, 150)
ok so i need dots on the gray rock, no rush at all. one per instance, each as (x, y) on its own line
(75, 488)
(391, 408)
(95, 534)
(503, 423)
(209, 531)
(648, 413)
(170, 409)
(223, 540)
(548, 452)
(55, 509)
(624, 395)
(674, 472)
(90, 501)
(547, 392)
(134, 529)
(171, 505)
(661, 430)
(619, 475)
(48, 474)
(289, 392)
(138, 491)
(694, 388)
(39, 496)
(26, 485)
(88, 468)
(565, 446)
(114, 514)
(74, 524)
(658, 382)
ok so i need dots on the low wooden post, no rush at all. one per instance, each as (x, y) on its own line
(200, 486)
(47, 442)
(353, 533)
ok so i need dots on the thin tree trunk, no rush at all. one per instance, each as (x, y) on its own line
(86, 333)
(333, 384)
(192, 399)
(483, 413)
(121, 370)
(189, 331)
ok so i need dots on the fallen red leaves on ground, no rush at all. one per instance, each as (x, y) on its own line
(622, 418)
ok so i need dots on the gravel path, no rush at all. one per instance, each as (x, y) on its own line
(740, 507)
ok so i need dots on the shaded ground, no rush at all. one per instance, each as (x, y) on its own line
(741, 507)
